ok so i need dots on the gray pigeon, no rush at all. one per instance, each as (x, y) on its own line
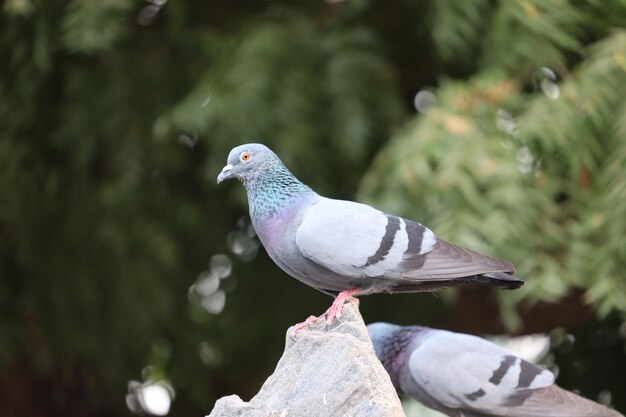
(466, 376)
(344, 248)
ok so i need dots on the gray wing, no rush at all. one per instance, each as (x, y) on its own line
(465, 372)
(554, 401)
(446, 260)
(357, 240)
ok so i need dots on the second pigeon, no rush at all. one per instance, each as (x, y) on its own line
(466, 376)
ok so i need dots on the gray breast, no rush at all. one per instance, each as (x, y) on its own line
(278, 236)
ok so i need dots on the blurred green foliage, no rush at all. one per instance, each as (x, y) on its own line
(116, 116)
(514, 163)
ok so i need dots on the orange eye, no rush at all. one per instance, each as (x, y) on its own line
(245, 156)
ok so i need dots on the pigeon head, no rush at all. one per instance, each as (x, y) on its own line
(391, 343)
(244, 161)
(380, 333)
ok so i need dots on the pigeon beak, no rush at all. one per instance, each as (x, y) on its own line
(225, 174)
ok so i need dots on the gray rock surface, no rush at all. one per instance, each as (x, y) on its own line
(322, 373)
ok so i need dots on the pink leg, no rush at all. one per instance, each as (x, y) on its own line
(334, 311)
(306, 323)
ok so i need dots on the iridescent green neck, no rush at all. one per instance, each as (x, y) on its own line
(273, 189)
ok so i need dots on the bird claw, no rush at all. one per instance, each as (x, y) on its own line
(299, 326)
(334, 311)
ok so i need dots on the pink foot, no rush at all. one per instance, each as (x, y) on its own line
(306, 323)
(334, 311)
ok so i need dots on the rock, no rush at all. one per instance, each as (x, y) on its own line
(323, 373)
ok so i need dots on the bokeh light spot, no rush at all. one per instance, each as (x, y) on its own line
(221, 265)
(546, 79)
(525, 160)
(148, 14)
(155, 400)
(214, 304)
(505, 122)
(151, 397)
(424, 101)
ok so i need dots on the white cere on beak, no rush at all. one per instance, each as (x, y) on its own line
(222, 175)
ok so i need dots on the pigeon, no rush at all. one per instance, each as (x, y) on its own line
(466, 376)
(344, 248)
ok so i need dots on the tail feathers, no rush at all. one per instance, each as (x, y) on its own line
(500, 280)
(554, 401)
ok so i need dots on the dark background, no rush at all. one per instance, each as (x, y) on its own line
(116, 117)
